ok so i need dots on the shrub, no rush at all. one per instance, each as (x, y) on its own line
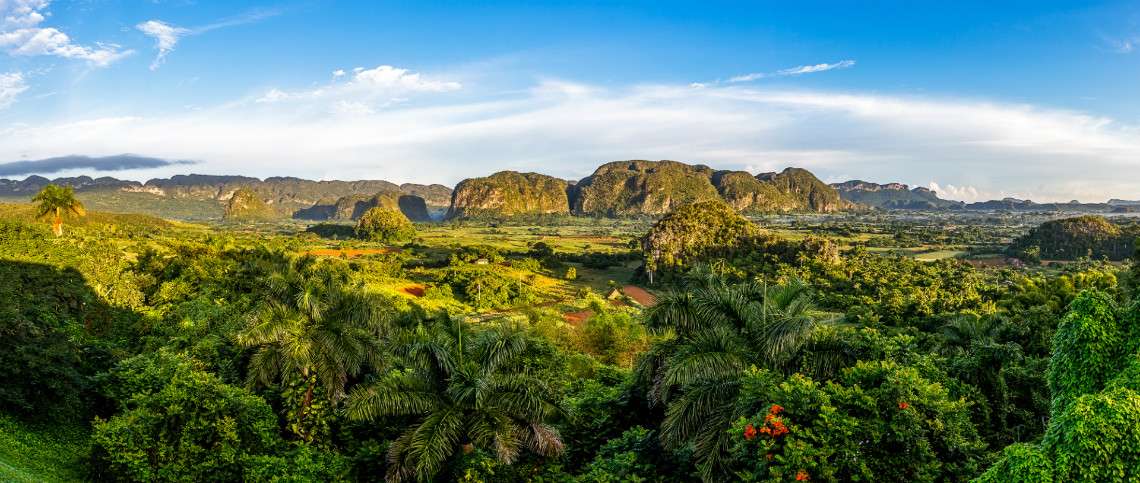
(182, 424)
(385, 225)
(485, 287)
(879, 421)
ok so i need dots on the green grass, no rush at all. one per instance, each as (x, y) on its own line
(938, 255)
(40, 452)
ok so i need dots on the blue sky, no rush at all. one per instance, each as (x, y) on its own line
(1027, 99)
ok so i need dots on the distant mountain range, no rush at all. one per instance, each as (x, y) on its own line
(893, 196)
(620, 188)
(898, 196)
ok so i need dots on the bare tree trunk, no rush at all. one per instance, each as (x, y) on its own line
(306, 403)
(57, 224)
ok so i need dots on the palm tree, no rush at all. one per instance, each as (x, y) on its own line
(719, 331)
(57, 202)
(461, 390)
(315, 325)
(978, 357)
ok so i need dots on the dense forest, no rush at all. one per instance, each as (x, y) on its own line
(700, 346)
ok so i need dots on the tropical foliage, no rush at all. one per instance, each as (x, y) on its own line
(463, 391)
(385, 225)
(137, 349)
(55, 202)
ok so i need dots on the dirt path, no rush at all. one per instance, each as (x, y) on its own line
(348, 252)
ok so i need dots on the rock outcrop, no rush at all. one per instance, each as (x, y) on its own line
(509, 193)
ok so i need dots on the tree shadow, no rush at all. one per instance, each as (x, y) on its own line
(52, 326)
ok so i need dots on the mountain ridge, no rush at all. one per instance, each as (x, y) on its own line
(614, 189)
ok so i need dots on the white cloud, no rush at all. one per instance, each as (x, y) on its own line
(794, 71)
(21, 33)
(810, 69)
(394, 79)
(968, 194)
(166, 36)
(365, 88)
(273, 95)
(11, 86)
(349, 108)
(566, 129)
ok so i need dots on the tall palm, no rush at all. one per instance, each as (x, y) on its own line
(56, 202)
(978, 357)
(719, 331)
(313, 324)
(460, 390)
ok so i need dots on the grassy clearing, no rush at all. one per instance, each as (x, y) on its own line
(41, 453)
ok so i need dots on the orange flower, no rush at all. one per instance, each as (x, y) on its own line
(776, 408)
(769, 456)
(749, 432)
(802, 475)
(903, 405)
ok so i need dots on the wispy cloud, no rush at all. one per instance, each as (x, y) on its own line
(118, 162)
(1122, 46)
(12, 84)
(22, 33)
(363, 88)
(794, 71)
(166, 36)
(566, 129)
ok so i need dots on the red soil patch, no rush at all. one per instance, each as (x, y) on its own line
(348, 252)
(618, 303)
(414, 290)
(639, 295)
(577, 318)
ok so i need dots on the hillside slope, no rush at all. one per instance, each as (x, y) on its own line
(509, 193)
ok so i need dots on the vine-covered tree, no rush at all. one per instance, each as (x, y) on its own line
(385, 225)
(1094, 376)
(57, 202)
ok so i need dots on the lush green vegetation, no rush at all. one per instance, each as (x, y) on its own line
(385, 225)
(539, 349)
(1071, 238)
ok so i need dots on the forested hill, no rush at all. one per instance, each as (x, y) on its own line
(639, 187)
(1072, 238)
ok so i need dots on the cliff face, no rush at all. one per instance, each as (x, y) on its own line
(352, 207)
(658, 187)
(747, 193)
(434, 195)
(893, 196)
(246, 205)
(620, 188)
(807, 190)
(509, 193)
(640, 187)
